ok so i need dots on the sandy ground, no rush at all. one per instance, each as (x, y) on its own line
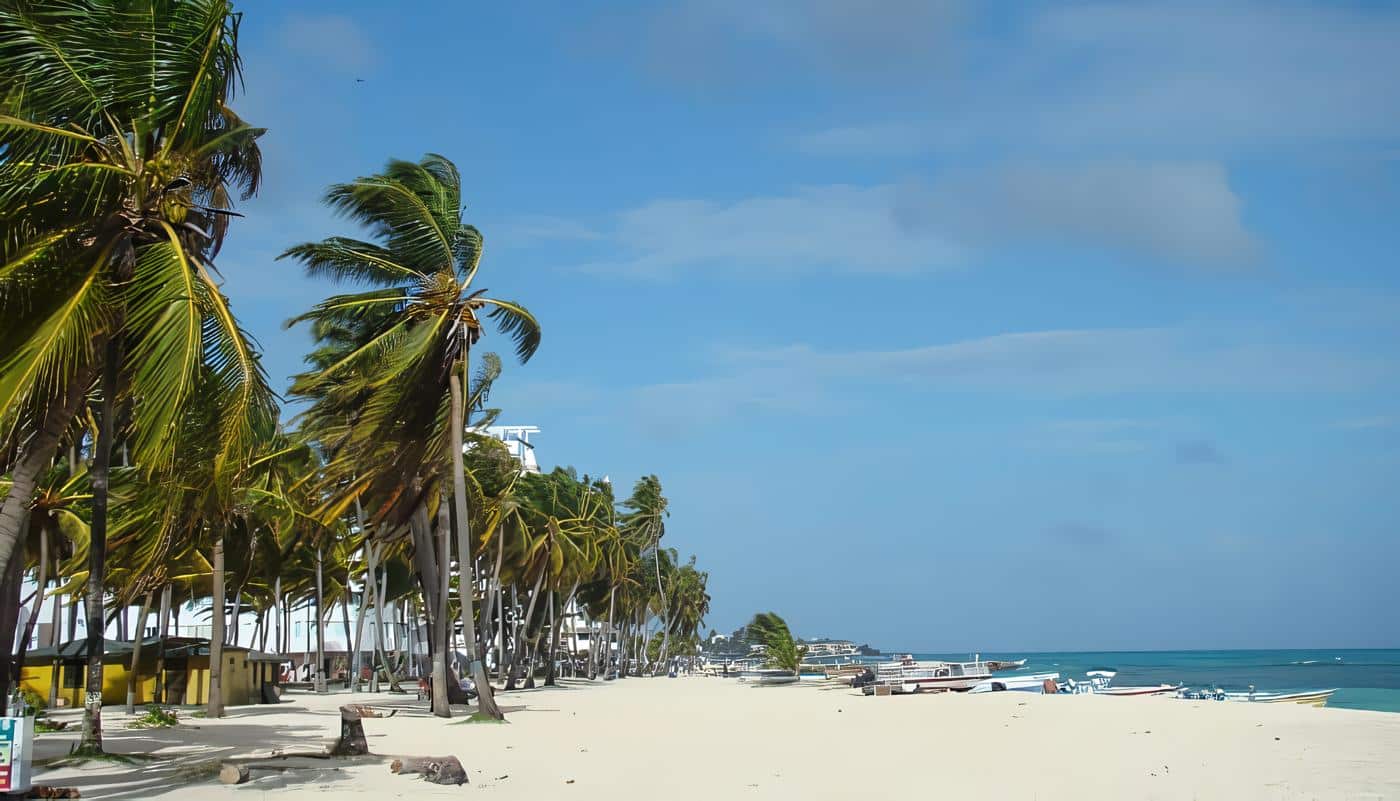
(711, 738)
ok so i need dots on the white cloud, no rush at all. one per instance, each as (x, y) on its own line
(1092, 362)
(1183, 213)
(1154, 79)
(729, 42)
(834, 228)
(1172, 213)
(1168, 213)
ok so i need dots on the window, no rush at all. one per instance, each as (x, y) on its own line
(73, 675)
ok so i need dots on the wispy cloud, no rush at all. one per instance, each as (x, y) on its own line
(836, 228)
(1160, 78)
(1183, 213)
(1180, 213)
(803, 381)
(1092, 361)
(730, 43)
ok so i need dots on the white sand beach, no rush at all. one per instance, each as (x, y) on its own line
(707, 738)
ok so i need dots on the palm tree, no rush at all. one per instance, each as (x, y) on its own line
(646, 519)
(405, 360)
(783, 652)
(121, 157)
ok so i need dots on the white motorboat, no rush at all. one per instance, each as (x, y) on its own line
(1100, 683)
(1306, 697)
(1027, 684)
(908, 675)
(766, 677)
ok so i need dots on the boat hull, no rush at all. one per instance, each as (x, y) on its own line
(1311, 698)
(1022, 684)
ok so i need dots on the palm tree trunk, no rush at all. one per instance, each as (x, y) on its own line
(523, 633)
(380, 588)
(134, 672)
(34, 460)
(425, 560)
(10, 603)
(215, 707)
(237, 615)
(352, 649)
(320, 683)
(466, 582)
(501, 628)
(277, 613)
(100, 479)
(553, 654)
(606, 656)
(492, 600)
(441, 627)
(162, 621)
(41, 581)
(661, 593)
(357, 664)
(55, 638)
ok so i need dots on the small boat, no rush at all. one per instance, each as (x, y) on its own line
(997, 665)
(1306, 697)
(908, 675)
(1027, 684)
(1154, 689)
(1101, 680)
(767, 677)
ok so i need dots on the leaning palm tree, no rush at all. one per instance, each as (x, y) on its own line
(120, 160)
(646, 520)
(782, 650)
(406, 366)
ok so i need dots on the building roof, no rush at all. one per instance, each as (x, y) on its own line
(113, 649)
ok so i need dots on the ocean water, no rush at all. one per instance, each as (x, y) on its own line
(1365, 679)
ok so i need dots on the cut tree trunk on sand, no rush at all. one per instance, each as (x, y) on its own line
(242, 771)
(438, 770)
(352, 733)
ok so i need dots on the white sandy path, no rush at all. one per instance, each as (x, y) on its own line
(715, 738)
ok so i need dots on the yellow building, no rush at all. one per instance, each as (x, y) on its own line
(186, 672)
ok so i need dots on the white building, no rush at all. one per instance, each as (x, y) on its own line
(517, 441)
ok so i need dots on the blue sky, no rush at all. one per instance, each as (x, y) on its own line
(947, 325)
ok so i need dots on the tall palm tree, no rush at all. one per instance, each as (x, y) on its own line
(646, 519)
(412, 329)
(121, 159)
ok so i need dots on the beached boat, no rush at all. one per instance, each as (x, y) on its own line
(1033, 683)
(996, 665)
(908, 675)
(1100, 683)
(1306, 698)
(766, 677)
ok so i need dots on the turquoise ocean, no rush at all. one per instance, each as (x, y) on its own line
(1364, 679)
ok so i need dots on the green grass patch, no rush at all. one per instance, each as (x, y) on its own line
(477, 717)
(155, 718)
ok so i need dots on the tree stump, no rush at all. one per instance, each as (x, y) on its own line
(438, 770)
(352, 732)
